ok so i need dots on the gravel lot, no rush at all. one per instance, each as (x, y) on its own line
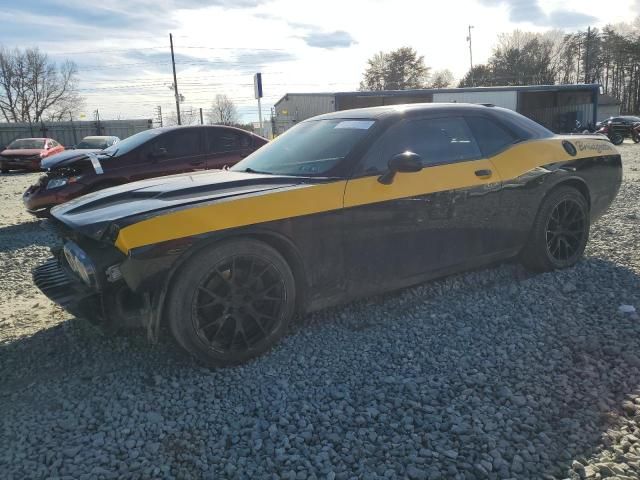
(491, 374)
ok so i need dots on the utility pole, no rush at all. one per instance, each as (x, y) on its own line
(578, 72)
(73, 129)
(175, 80)
(97, 122)
(586, 56)
(159, 114)
(471, 56)
(201, 117)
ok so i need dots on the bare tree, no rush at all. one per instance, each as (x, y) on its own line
(32, 88)
(223, 111)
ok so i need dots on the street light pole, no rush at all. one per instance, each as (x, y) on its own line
(471, 56)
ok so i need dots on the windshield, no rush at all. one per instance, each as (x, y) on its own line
(129, 143)
(26, 143)
(87, 143)
(311, 148)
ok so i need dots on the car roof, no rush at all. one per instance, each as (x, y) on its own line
(97, 137)
(399, 110)
(524, 126)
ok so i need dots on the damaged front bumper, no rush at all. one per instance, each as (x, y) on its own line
(114, 307)
(58, 283)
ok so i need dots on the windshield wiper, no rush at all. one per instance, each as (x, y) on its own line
(251, 170)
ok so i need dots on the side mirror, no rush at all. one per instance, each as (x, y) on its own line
(406, 162)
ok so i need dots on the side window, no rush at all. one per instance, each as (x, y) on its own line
(490, 135)
(221, 140)
(179, 144)
(436, 140)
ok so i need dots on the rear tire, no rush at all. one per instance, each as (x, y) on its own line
(231, 303)
(636, 137)
(560, 231)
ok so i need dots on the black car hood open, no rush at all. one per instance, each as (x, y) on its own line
(91, 215)
(66, 158)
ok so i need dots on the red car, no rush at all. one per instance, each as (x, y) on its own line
(151, 153)
(27, 153)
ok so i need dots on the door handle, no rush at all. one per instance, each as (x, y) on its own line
(197, 162)
(485, 173)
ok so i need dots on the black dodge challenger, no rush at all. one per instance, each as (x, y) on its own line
(343, 205)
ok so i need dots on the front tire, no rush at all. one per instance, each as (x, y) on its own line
(560, 231)
(232, 302)
(617, 139)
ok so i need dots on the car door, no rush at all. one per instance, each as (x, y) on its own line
(226, 146)
(519, 196)
(439, 218)
(176, 151)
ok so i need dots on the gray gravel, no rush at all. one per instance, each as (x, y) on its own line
(492, 374)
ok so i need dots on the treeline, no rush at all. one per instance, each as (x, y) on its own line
(610, 57)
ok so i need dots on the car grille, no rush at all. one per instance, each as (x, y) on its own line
(55, 283)
(63, 288)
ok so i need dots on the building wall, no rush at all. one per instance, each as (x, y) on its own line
(606, 111)
(500, 99)
(294, 108)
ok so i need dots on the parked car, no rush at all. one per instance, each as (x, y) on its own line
(96, 142)
(343, 205)
(27, 153)
(627, 120)
(151, 153)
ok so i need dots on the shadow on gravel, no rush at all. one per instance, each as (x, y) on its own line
(482, 375)
(22, 235)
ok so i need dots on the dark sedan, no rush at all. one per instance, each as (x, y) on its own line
(152, 153)
(343, 205)
(620, 120)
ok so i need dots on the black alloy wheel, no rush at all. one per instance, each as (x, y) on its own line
(559, 233)
(565, 230)
(231, 302)
(238, 304)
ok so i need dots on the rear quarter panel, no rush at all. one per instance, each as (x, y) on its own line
(529, 171)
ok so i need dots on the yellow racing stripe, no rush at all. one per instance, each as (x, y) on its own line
(303, 200)
(310, 199)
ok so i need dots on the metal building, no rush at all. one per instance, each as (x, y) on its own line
(557, 107)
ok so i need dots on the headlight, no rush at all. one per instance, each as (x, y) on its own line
(62, 181)
(80, 263)
(57, 182)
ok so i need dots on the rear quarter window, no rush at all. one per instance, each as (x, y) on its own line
(491, 136)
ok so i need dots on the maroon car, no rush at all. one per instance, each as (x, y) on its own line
(152, 153)
(27, 153)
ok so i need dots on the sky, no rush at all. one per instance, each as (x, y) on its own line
(121, 47)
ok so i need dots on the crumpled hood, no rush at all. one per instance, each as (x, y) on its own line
(65, 158)
(93, 214)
